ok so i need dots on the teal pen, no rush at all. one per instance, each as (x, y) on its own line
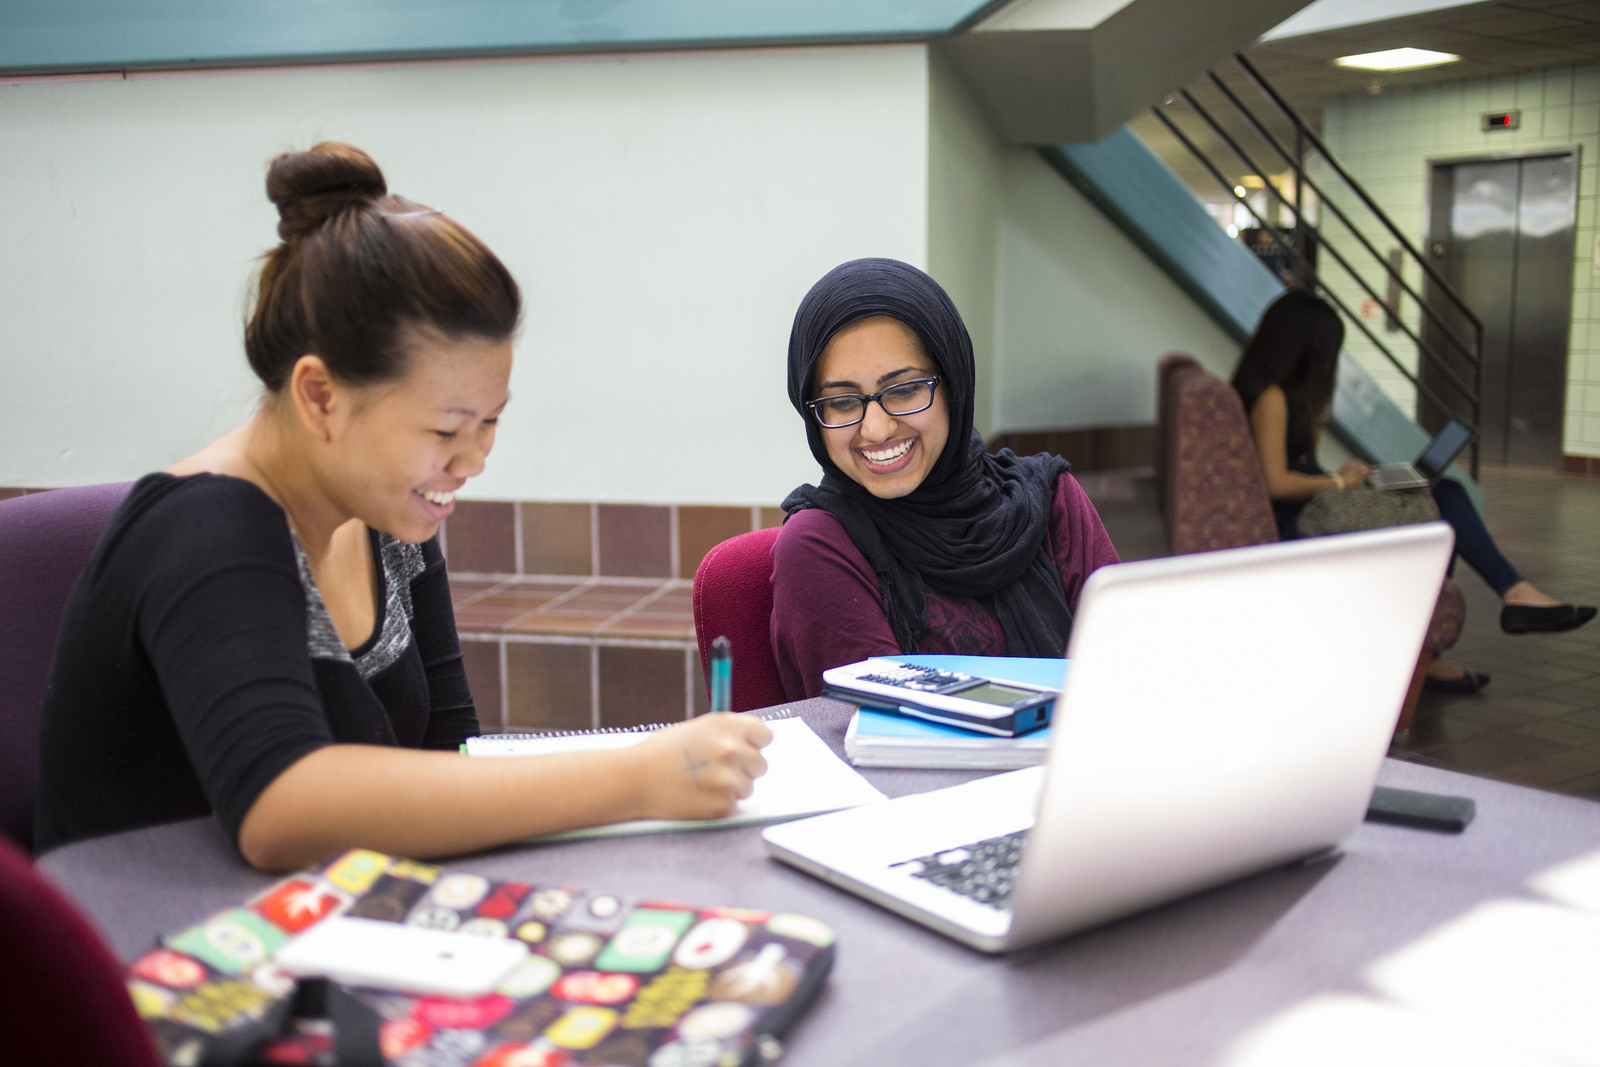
(721, 675)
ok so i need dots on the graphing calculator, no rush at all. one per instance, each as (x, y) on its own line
(968, 701)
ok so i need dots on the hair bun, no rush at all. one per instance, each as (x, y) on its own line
(311, 187)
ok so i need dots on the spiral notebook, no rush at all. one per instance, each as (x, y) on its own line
(803, 776)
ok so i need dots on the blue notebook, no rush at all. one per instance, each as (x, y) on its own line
(881, 737)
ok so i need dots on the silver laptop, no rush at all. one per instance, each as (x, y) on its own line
(1226, 712)
(1428, 467)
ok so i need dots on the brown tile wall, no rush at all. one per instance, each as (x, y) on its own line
(1093, 448)
(1589, 465)
(482, 537)
(575, 615)
(635, 540)
(639, 685)
(549, 686)
(557, 538)
(503, 538)
(550, 629)
(702, 529)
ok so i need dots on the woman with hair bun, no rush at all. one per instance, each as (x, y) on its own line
(916, 540)
(265, 632)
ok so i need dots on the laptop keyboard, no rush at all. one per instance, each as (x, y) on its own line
(1402, 476)
(984, 870)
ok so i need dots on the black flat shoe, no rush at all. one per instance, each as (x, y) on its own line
(1525, 619)
(1470, 682)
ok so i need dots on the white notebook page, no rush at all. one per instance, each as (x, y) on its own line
(803, 777)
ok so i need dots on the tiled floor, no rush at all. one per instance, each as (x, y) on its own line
(1538, 721)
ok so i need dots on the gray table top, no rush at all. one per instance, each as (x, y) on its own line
(1185, 983)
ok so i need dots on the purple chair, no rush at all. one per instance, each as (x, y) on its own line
(733, 599)
(62, 998)
(45, 540)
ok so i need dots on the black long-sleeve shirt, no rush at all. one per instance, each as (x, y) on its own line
(196, 662)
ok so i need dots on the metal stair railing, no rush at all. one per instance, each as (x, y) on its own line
(1294, 239)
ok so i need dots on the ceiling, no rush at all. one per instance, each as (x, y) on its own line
(1501, 37)
(1067, 71)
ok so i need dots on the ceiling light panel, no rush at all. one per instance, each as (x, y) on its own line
(1397, 59)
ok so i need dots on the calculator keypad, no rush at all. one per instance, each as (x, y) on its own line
(919, 679)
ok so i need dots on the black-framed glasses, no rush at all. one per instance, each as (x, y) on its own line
(847, 409)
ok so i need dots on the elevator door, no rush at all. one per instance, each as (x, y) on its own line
(1500, 231)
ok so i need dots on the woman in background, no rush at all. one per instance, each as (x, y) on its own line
(1286, 379)
(916, 540)
(264, 631)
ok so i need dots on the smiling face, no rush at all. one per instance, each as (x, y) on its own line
(407, 446)
(888, 455)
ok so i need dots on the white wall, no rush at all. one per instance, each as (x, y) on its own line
(1068, 317)
(966, 187)
(1083, 315)
(663, 213)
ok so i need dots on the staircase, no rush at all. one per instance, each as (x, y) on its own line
(1313, 226)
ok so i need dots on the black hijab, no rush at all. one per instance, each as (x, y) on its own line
(978, 525)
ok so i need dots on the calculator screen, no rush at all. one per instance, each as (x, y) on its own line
(990, 693)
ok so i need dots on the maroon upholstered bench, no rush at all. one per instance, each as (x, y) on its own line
(1216, 497)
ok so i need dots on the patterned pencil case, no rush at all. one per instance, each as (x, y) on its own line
(607, 979)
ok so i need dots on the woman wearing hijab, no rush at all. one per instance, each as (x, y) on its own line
(916, 540)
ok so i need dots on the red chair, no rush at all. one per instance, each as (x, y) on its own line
(45, 539)
(62, 998)
(733, 599)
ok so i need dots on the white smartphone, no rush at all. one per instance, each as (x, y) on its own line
(411, 959)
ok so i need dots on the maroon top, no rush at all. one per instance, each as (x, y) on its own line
(827, 611)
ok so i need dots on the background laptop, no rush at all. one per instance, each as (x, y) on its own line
(1225, 712)
(1429, 467)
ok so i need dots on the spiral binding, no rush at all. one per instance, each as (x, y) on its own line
(770, 715)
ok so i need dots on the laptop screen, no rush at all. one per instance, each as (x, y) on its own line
(1444, 448)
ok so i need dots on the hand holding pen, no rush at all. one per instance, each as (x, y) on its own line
(704, 767)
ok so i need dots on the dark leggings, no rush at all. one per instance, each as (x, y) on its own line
(1473, 542)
